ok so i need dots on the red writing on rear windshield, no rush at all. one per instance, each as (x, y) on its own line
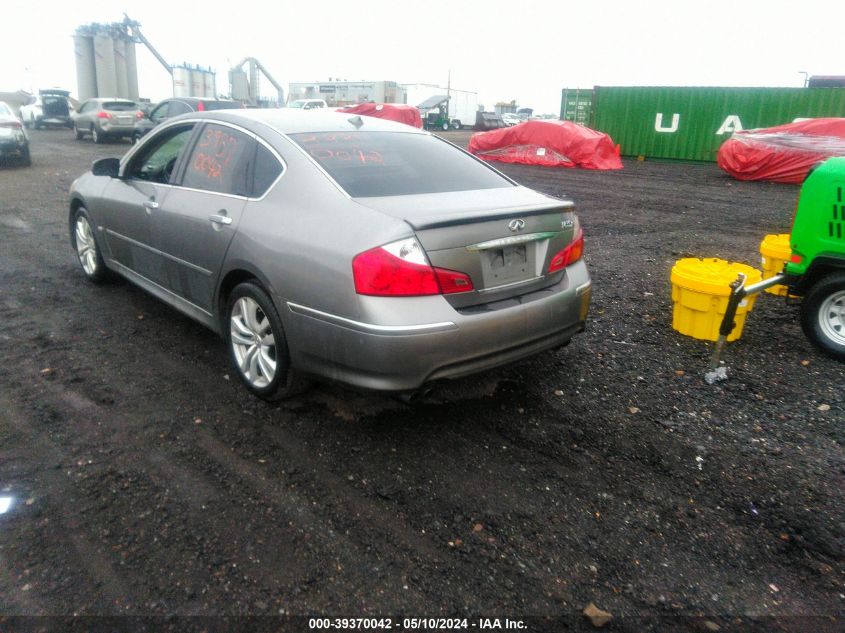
(214, 154)
(340, 147)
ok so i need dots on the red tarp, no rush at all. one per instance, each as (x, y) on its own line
(393, 111)
(547, 143)
(784, 153)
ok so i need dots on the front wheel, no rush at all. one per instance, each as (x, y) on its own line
(257, 344)
(84, 242)
(445, 126)
(823, 315)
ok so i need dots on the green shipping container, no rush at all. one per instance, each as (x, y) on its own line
(691, 123)
(576, 104)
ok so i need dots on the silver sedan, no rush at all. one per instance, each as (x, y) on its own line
(348, 248)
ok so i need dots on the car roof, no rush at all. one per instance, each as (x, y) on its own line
(294, 120)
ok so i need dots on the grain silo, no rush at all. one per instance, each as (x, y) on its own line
(86, 72)
(105, 62)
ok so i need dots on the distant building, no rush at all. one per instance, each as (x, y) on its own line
(341, 93)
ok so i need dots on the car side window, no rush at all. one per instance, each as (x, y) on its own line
(159, 114)
(177, 108)
(265, 171)
(160, 156)
(220, 161)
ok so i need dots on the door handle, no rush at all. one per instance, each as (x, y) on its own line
(220, 219)
(151, 204)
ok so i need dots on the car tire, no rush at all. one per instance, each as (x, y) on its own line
(823, 315)
(136, 138)
(79, 133)
(96, 135)
(88, 253)
(257, 344)
(456, 125)
(25, 159)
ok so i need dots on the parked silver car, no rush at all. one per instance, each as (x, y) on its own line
(106, 118)
(352, 248)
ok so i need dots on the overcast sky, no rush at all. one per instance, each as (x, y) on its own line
(503, 49)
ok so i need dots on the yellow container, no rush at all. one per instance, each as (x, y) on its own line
(700, 291)
(774, 253)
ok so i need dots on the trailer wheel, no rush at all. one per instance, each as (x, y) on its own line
(823, 315)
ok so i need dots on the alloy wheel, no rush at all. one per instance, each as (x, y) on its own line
(253, 342)
(86, 247)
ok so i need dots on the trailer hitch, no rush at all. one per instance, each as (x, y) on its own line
(739, 291)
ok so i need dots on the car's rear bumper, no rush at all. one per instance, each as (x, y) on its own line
(11, 147)
(406, 353)
(55, 120)
(115, 129)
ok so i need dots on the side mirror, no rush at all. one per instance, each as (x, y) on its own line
(106, 167)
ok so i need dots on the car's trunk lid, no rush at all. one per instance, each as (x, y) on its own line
(502, 238)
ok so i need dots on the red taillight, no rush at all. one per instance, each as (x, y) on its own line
(400, 269)
(201, 106)
(103, 115)
(795, 258)
(139, 115)
(569, 255)
(451, 281)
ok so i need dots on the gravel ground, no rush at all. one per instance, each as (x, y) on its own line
(147, 481)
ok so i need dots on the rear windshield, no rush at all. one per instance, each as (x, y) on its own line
(376, 164)
(120, 106)
(220, 105)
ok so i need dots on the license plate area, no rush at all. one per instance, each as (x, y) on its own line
(508, 264)
(124, 120)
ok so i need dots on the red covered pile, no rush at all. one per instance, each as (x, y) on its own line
(393, 111)
(547, 143)
(784, 153)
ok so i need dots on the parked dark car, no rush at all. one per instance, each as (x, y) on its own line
(353, 248)
(14, 143)
(170, 108)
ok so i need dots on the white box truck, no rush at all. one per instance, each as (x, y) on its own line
(458, 111)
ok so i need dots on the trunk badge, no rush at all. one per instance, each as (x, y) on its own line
(516, 225)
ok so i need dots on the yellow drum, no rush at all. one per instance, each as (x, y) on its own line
(774, 253)
(700, 291)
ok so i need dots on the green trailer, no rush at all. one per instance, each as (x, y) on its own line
(815, 271)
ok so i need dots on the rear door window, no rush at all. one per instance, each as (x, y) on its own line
(375, 164)
(220, 161)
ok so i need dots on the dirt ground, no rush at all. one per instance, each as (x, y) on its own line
(146, 480)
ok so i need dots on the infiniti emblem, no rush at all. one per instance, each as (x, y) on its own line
(516, 225)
